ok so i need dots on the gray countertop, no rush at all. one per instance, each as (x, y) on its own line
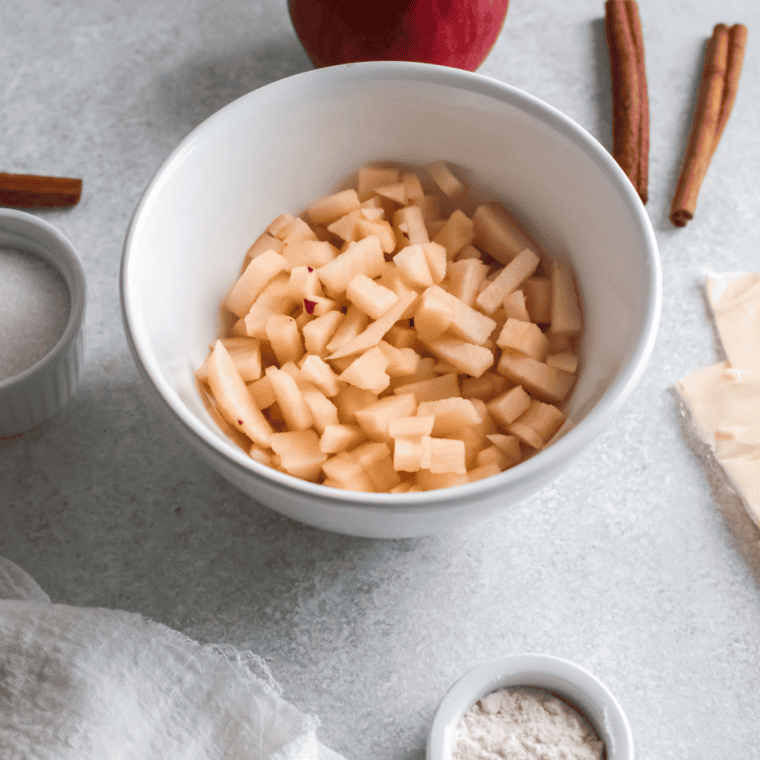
(637, 563)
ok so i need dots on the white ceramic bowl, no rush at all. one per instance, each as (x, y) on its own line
(31, 397)
(284, 145)
(570, 682)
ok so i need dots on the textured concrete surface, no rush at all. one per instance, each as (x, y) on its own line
(637, 563)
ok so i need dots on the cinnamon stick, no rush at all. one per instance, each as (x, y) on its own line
(630, 99)
(724, 57)
(34, 191)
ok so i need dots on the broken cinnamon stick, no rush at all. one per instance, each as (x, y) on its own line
(34, 191)
(630, 99)
(720, 80)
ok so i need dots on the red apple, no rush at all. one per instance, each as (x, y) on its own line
(457, 33)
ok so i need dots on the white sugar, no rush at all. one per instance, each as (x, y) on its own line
(34, 309)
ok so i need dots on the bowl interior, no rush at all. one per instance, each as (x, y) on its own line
(284, 145)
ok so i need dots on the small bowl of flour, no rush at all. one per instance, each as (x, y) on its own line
(529, 707)
(42, 304)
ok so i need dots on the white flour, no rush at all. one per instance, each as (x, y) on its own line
(525, 724)
(34, 309)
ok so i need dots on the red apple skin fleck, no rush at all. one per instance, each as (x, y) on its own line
(456, 33)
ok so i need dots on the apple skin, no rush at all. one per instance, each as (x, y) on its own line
(456, 33)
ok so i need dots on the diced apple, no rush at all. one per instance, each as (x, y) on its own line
(296, 231)
(442, 175)
(261, 392)
(514, 306)
(411, 427)
(441, 455)
(431, 481)
(498, 234)
(510, 278)
(435, 255)
(317, 371)
(408, 220)
(407, 455)
(375, 457)
(402, 362)
(547, 383)
(538, 299)
(507, 407)
(368, 371)
(299, 453)
(254, 279)
(304, 283)
(378, 227)
(290, 400)
(525, 337)
(370, 178)
(432, 317)
(480, 473)
(450, 414)
(278, 224)
(432, 389)
(362, 257)
(369, 296)
(340, 437)
(565, 313)
(457, 232)
(309, 253)
(332, 207)
(320, 331)
(274, 299)
(412, 184)
(537, 424)
(413, 265)
(465, 278)
(323, 411)
(264, 242)
(375, 418)
(353, 324)
(567, 361)
(429, 206)
(396, 192)
(316, 306)
(285, 338)
(467, 357)
(509, 445)
(350, 399)
(234, 401)
(469, 324)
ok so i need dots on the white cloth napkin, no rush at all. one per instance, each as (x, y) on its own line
(97, 684)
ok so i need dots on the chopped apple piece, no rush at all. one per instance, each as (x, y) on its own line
(450, 414)
(407, 455)
(274, 299)
(469, 324)
(547, 383)
(278, 224)
(485, 471)
(432, 389)
(397, 192)
(538, 299)
(304, 283)
(507, 407)
(408, 220)
(510, 278)
(309, 253)
(290, 400)
(333, 206)
(413, 265)
(323, 411)
(565, 314)
(235, 403)
(378, 227)
(316, 306)
(376, 459)
(320, 331)
(337, 438)
(465, 278)
(429, 206)
(299, 453)
(413, 185)
(354, 324)
(514, 306)
(283, 334)
(317, 371)
(368, 371)
(567, 361)
(498, 235)
(468, 358)
(432, 317)
(457, 232)
(411, 427)
(442, 175)
(441, 455)
(264, 242)
(525, 337)
(350, 399)
(374, 418)
(261, 392)
(509, 445)
(431, 481)
(370, 337)
(369, 296)
(537, 424)
(254, 279)
(362, 257)
(370, 178)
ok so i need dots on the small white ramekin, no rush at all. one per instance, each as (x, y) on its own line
(568, 681)
(31, 397)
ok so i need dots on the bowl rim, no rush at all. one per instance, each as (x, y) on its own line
(58, 251)
(555, 455)
(502, 671)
